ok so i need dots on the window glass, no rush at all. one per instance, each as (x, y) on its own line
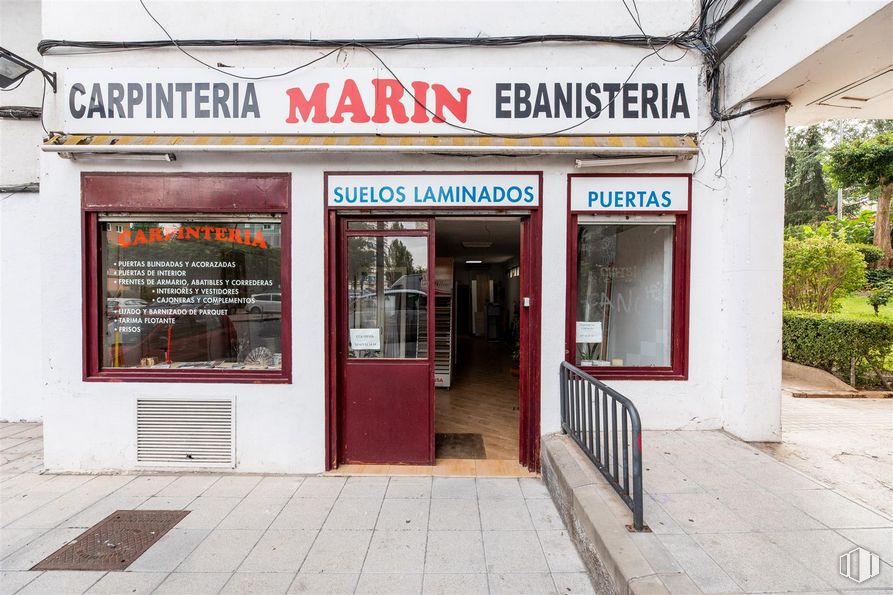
(187, 295)
(387, 292)
(624, 295)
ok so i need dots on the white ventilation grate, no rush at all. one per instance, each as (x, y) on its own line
(194, 433)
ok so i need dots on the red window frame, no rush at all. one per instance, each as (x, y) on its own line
(679, 325)
(179, 194)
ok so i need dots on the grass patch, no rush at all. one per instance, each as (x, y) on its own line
(857, 306)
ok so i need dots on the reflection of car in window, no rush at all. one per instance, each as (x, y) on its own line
(113, 305)
(404, 319)
(265, 303)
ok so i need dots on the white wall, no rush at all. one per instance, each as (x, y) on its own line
(734, 331)
(751, 278)
(21, 394)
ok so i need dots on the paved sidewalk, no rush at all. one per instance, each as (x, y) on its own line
(278, 534)
(724, 518)
(735, 519)
(846, 443)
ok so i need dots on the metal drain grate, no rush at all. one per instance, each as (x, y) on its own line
(115, 542)
(185, 432)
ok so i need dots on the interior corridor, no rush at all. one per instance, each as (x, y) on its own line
(483, 400)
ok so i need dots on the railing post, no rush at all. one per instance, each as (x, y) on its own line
(562, 381)
(638, 504)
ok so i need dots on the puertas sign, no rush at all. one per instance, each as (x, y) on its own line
(433, 190)
(606, 193)
(355, 100)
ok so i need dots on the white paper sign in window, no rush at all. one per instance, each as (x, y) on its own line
(362, 339)
(589, 332)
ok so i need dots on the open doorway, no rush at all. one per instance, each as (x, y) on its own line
(477, 338)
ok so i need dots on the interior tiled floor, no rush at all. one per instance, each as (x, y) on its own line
(483, 398)
(288, 534)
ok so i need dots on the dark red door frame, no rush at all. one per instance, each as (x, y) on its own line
(531, 287)
(387, 366)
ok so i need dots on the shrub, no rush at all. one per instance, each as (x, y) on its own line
(870, 253)
(875, 277)
(881, 295)
(818, 272)
(834, 343)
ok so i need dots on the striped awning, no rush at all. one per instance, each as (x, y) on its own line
(598, 146)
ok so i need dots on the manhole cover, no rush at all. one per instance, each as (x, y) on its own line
(115, 542)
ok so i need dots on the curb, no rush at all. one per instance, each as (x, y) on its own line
(597, 520)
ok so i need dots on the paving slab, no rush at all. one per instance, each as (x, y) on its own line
(455, 552)
(528, 582)
(344, 550)
(169, 552)
(506, 515)
(55, 582)
(133, 583)
(514, 551)
(279, 551)
(389, 584)
(454, 487)
(223, 550)
(269, 583)
(303, 513)
(397, 552)
(454, 514)
(450, 584)
(194, 583)
(10, 582)
(350, 513)
(313, 583)
(403, 514)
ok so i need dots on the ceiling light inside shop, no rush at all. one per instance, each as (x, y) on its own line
(477, 244)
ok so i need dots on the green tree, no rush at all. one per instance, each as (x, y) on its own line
(399, 260)
(806, 195)
(818, 271)
(867, 164)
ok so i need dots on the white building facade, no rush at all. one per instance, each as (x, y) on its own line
(659, 273)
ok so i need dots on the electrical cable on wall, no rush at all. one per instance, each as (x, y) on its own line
(696, 36)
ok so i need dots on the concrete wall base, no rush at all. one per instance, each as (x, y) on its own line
(597, 520)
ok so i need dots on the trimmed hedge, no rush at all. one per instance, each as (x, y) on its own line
(878, 276)
(870, 253)
(830, 342)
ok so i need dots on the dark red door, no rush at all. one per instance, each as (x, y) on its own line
(385, 347)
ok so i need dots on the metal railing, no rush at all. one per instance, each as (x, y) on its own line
(589, 415)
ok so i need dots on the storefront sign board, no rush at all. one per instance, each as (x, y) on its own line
(389, 191)
(653, 194)
(370, 100)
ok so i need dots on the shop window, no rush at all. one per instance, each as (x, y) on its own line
(191, 296)
(628, 296)
(387, 294)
